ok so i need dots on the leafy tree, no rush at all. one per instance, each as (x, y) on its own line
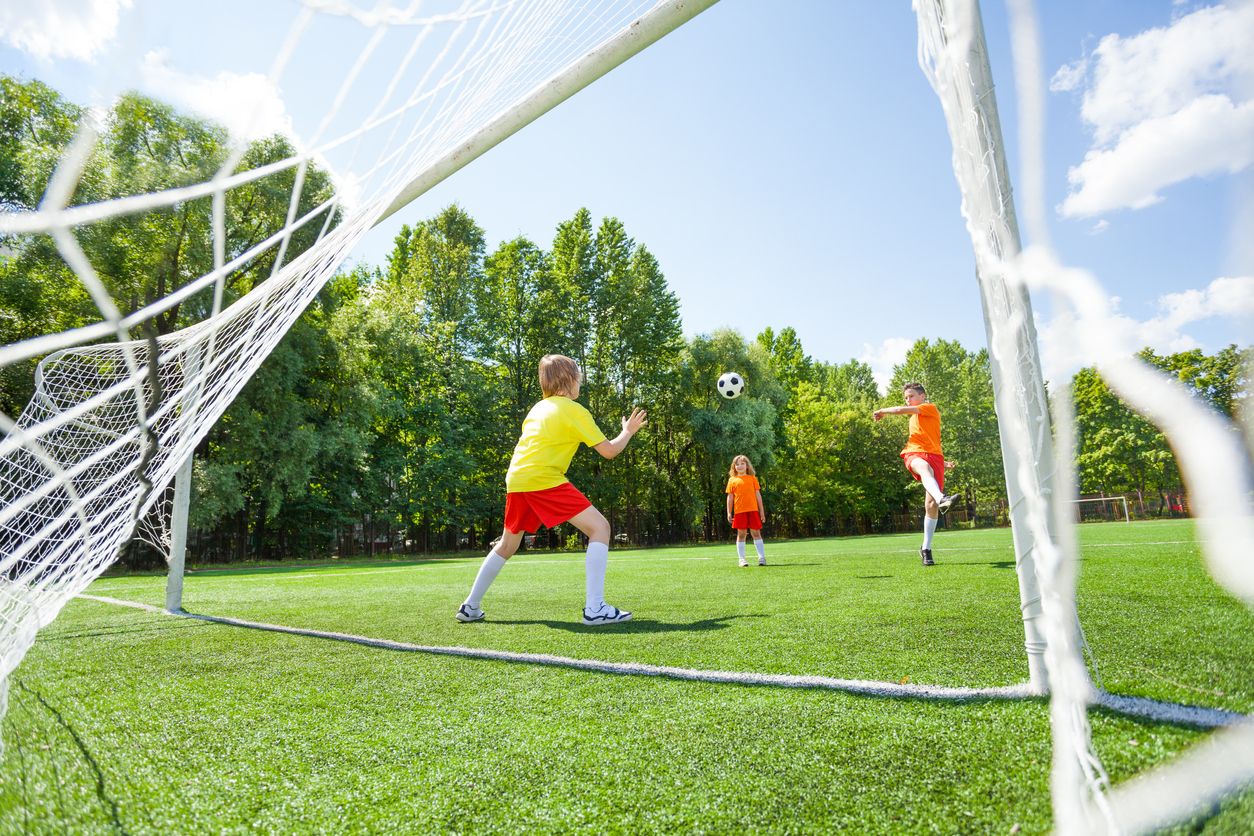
(788, 360)
(1218, 380)
(1119, 451)
(140, 257)
(846, 382)
(1116, 449)
(846, 463)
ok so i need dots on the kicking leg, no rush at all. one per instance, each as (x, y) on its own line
(928, 478)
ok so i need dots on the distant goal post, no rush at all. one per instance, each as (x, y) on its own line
(1079, 503)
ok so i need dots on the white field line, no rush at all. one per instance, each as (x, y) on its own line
(1138, 706)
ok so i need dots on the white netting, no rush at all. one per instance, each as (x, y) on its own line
(1211, 455)
(96, 450)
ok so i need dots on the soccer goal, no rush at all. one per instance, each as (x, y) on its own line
(1104, 502)
(103, 452)
(119, 406)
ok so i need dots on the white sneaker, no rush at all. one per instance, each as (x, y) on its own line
(761, 561)
(605, 615)
(744, 562)
(467, 613)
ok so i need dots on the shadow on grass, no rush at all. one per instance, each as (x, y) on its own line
(633, 627)
(152, 629)
(350, 565)
(102, 789)
(873, 577)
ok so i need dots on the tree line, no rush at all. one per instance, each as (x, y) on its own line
(386, 417)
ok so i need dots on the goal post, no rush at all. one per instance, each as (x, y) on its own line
(114, 425)
(954, 56)
(1212, 458)
(1103, 500)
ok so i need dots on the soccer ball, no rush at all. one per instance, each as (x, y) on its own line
(730, 385)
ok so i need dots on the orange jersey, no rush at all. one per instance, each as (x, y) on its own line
(924, 431)
(744, 490)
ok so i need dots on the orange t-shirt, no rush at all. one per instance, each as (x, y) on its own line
(744, 491)
(924, 431)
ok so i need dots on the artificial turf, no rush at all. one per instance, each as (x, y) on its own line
(126, 721)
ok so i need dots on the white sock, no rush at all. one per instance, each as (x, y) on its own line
(929, 485)
(594, 581)
(929, 528)
(761, 547)
(740, 548)
(492, 566)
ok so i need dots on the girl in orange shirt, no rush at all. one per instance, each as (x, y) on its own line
(744, 507)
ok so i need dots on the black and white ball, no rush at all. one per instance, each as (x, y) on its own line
(731, 385)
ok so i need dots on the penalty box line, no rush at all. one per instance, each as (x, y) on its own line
(1135, 706)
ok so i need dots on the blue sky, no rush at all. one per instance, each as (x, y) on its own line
(788, 164)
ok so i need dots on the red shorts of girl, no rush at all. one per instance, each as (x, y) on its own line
(528, 510)
(747, 519)
(936, 460)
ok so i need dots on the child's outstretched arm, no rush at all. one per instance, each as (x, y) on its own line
(894, 410)
(631, 426)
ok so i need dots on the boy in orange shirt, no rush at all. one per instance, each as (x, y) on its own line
(538, 492)
(922, 457)
(744, 507)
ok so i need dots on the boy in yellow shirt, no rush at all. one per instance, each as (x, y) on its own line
(538, 492)
(923, 458)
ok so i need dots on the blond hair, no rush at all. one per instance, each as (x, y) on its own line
(558, 375)
(748, 466)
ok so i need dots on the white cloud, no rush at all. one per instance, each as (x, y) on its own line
(248, 105)
(1165, 105)
(892, 352)
(60, 28)
(1062, 354)
(1070, 76)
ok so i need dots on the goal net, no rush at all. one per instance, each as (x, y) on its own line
(1213, 459)
(118, 407)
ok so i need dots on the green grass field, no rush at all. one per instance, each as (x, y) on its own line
(128, 721)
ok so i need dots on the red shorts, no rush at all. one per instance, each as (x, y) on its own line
(528, 510)
(936, 460)
(747, 519)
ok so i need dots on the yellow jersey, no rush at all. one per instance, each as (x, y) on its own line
(551, 433)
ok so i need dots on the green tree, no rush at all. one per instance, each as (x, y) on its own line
(147, 146)
(1119, 451)
(1116, 449)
